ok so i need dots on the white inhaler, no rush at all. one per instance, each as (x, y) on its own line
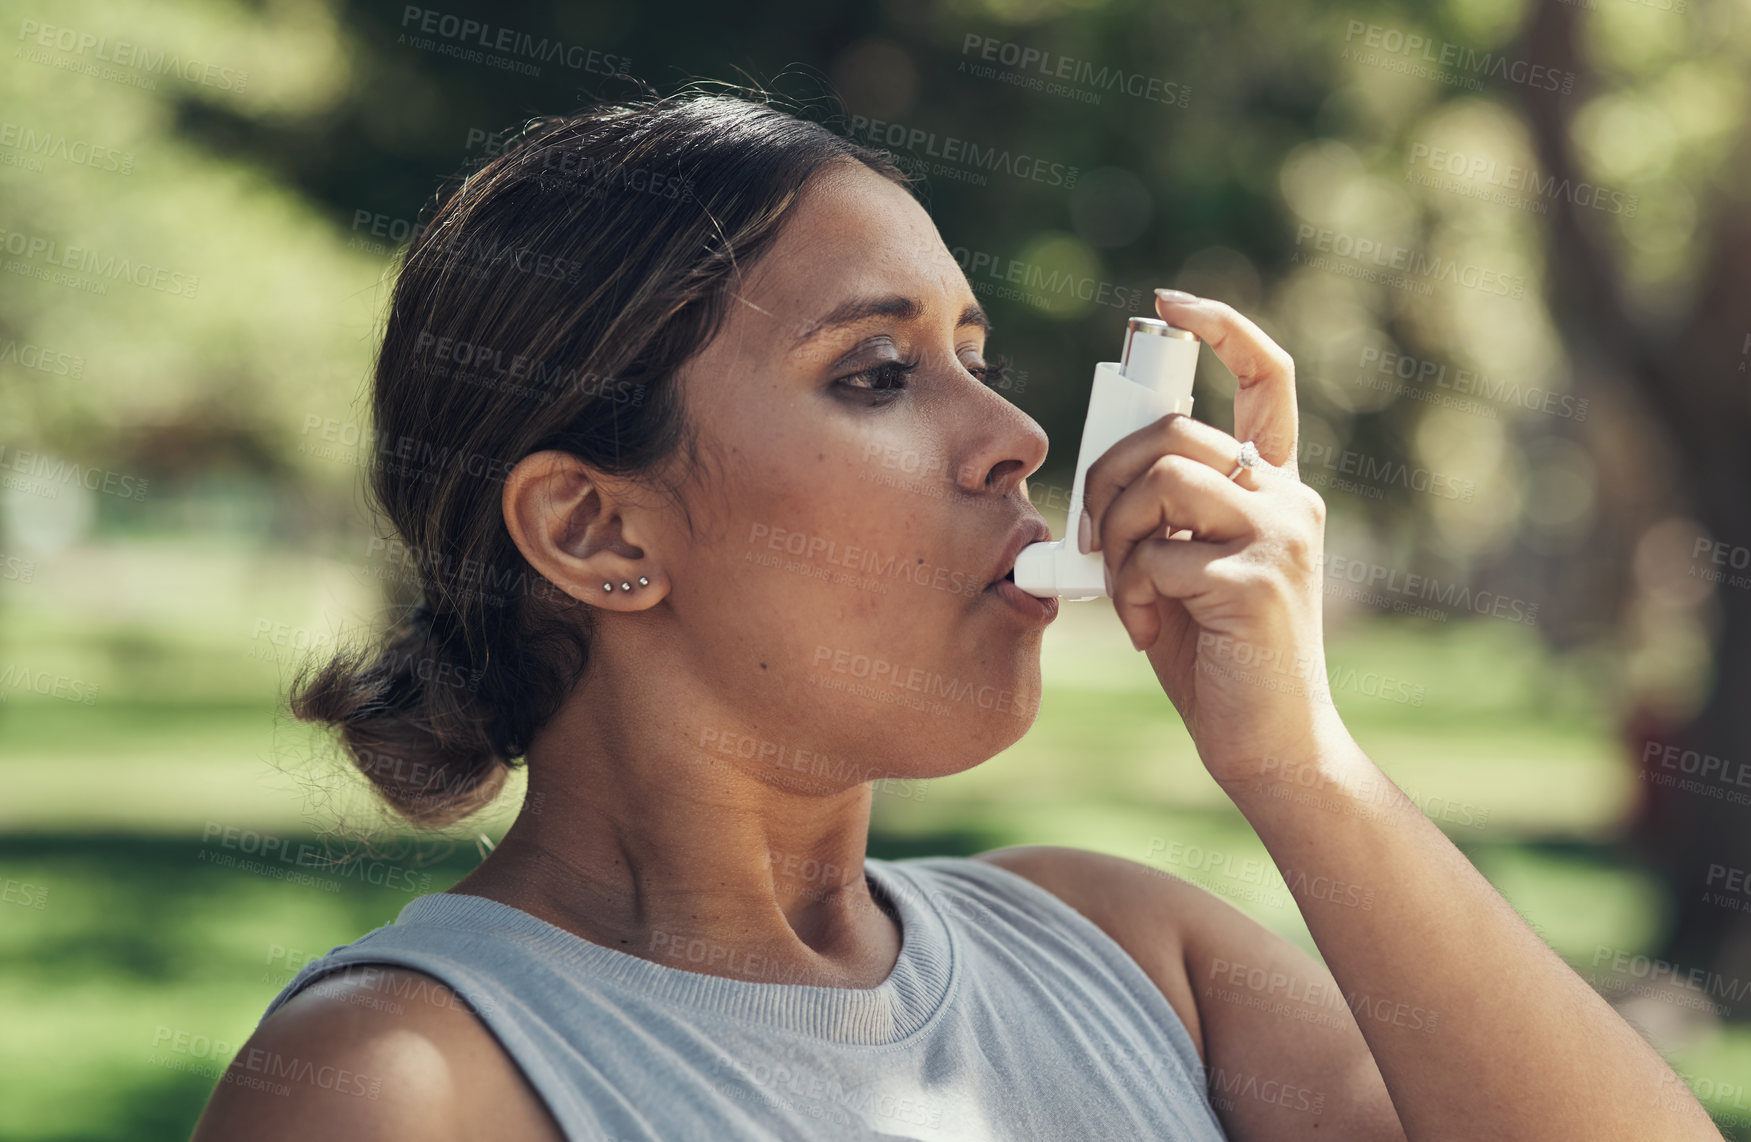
(1152, 378)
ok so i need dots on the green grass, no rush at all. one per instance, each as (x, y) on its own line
(107, 805)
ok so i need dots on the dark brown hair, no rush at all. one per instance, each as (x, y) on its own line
(546, 303)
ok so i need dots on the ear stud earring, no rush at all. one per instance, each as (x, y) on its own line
(642, 582)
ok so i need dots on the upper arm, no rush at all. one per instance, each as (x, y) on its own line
(1282, 1053)
(342, 1063)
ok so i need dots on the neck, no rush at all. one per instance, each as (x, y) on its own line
(644, 843)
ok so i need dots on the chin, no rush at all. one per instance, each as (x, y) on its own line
(975, 741)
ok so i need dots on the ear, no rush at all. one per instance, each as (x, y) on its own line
(574, 528)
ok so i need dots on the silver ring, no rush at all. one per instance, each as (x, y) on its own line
(1249, 458)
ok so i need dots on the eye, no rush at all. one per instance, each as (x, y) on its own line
(887, 377)
(995, 375)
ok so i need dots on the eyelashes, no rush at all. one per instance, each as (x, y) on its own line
(996, 374)
(891, 377)
(887, 377)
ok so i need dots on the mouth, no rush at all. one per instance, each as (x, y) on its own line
(1030, 530)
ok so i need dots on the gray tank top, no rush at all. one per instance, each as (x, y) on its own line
(1008, 1015)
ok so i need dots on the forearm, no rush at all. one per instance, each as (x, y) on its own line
(1478, 1028)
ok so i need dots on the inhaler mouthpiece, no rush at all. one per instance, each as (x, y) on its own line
(1152, 378)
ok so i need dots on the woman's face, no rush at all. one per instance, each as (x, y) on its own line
(860, 491)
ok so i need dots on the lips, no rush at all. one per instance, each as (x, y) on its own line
(1031, 530)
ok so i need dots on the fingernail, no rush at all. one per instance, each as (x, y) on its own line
(1176, 296)
(1084, 529)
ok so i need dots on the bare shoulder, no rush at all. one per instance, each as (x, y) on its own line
(374, 1052)
(1149, 914)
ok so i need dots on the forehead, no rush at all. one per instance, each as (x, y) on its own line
(853, 232)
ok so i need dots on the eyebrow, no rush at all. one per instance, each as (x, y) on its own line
(895, 306)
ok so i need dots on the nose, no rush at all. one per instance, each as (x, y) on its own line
(1004, 447)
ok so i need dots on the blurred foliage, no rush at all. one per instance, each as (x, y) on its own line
(282, 181)
(286, 199)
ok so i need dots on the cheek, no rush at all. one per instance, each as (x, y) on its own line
(841, 538)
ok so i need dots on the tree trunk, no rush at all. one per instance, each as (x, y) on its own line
(1688, 380)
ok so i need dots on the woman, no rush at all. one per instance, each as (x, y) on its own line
(627, 365)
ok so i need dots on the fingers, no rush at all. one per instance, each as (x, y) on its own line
(1264, 405)
(1164, 568)
(1174, 493)
(1128, 463)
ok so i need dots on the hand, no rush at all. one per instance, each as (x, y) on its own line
(1219, 579)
